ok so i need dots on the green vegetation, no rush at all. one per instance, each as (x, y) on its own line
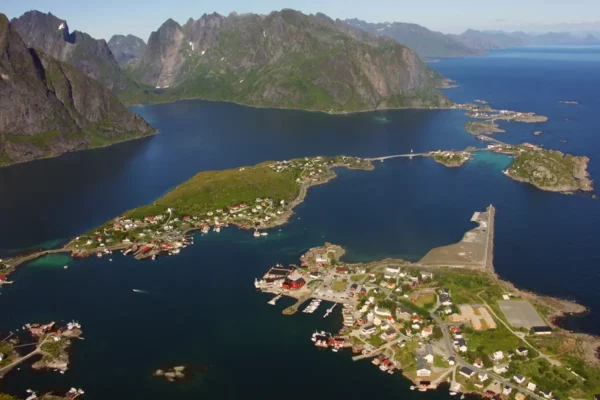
(440, 362)
(211, 190)
(426, 301)
(42, 140)
(464, 287)
(357, 278)
(483, 127)
(4, 396)
(339, 286)
(562, 382)
(4, 159)
(450, 158)
(550, 170)
(54, 349)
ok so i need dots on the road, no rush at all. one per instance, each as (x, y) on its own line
(463, 363)
(38, 350)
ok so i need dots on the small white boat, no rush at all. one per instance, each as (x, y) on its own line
(264, 234)
(335, 349)
(66, 266)
(256, 234)
(453, 393)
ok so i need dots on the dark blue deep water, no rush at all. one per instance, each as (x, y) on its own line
(201, 308)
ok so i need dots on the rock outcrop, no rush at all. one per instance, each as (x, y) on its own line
(126, 48)
(49, 107)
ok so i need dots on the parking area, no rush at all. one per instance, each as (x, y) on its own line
(520, 313)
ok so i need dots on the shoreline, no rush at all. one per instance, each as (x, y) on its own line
(450, 107)
(351, 334)
(75, 151)
(12, 263)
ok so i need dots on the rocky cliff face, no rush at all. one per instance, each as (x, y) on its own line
(50, 35)
(284, 59)
(126, 48)
(48, 107)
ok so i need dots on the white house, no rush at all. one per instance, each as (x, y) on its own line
(368, 329)
(497, 356)
(507, 390)
(322, 258)
(392, 269)
(546, 394)
(483, 376)
(531, 386)
(382, 311)
(519, 378)
(500, 368)
(522, 351)
(422, 368)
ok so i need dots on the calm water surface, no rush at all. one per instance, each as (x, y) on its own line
(200, 307)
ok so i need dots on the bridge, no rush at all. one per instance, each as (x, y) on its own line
(411, 155)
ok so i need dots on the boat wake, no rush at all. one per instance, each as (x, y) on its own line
(140, 291)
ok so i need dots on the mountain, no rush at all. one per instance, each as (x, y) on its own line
(49, 107)
(490, 40)
(425, 42)
(126, 48)
(50, 35)
(481, 41)
(284, 59)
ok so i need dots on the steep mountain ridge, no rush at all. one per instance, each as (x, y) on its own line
(50, 35)
(48, 107)
(284, 59)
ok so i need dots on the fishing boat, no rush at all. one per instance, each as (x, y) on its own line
(256, 283)
(153, 257)
(274, 300)
(66, 266)
(256, 234)
(217, 228)
(264, 234)
(176, 251)
(453, 393)
(335, 349)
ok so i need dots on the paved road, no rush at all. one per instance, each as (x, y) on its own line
(463, 363)
(38, 350)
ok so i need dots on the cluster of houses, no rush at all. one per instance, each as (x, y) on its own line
(500, 367)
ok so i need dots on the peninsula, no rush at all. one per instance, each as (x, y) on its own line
(447, 318)
(252, 198)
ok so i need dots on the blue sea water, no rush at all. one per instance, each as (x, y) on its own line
(200, 307)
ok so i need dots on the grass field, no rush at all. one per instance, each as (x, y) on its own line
(339, 286)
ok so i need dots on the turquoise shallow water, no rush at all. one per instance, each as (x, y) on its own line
(200, 307)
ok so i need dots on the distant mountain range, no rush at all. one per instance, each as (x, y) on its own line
(283, 59)
(431, 44)
(48, 107)
(425, 42)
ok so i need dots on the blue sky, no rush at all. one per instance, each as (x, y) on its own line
(103, 18)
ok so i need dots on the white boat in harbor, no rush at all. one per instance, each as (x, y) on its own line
(256, 234)
(273, 301)
(176, 251)
(66, 266)
(264, 234)
(217, 229)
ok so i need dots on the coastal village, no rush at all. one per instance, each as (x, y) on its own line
(50, 343)
(436, 325)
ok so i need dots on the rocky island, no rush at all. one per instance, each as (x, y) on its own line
(451, 158)
(483, 128)
(172, 375)
(447, 318)
(550, 170)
